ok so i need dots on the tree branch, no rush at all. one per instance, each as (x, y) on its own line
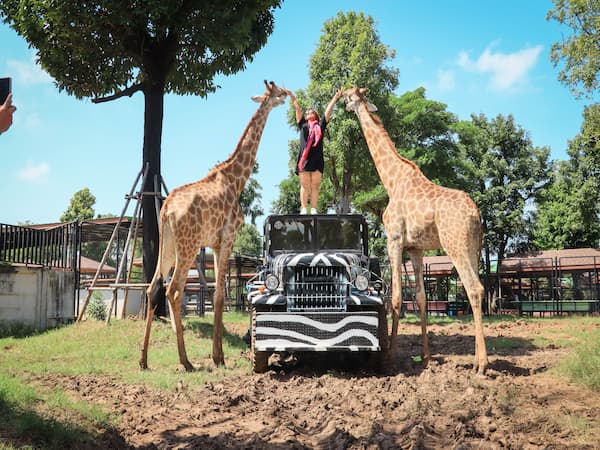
(128, 91)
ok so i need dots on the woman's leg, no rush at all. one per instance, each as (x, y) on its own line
(305, 186)
(315, 182)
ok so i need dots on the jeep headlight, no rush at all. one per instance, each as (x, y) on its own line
(271, 282)
(361, 283)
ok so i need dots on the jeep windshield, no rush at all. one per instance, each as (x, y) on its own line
(314, 233)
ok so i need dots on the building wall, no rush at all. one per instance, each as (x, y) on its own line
(36, 297)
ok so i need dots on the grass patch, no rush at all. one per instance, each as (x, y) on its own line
(92, 347)
(31, 417)
(582, 366)
(504, 343)
(16, 330)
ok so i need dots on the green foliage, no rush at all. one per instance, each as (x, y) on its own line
(93, 347)
(107, 49)
(99, 48)
(16, 330)
(81, 206)
(248, 241)
(349, 53)
(422, 130)
(583, 365)
(568, 211)
(96, 308)
(580, 50)
(288, 201)
(20, 417)
(503, 172)
(250, 197)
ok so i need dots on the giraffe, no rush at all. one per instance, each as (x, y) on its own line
(206, 213)
(422, 215)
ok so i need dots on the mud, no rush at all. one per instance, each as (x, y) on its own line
(331, 403)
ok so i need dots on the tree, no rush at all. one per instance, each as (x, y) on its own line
(248, 241)
(579, 51)
(81, 207)
(503, 172)
(109, 49)
(288, 201)
(349, 53)
(568, 211)
(250, 197)
(422, 131)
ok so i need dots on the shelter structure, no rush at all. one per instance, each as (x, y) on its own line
(444, 291)
(551, 281)
(57, 248)
(544, 282)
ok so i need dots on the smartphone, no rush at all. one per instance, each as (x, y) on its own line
(5, 89)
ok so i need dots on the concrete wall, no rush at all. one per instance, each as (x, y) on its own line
(36, 297)
(134, 301)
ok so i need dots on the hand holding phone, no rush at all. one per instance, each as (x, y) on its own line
(6, 108)
(5, 89)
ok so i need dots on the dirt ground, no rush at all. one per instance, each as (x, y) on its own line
(325, 402)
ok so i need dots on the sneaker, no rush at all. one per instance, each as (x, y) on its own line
(303, 211)
(313, 211)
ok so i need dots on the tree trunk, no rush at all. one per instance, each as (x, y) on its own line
(152, 201)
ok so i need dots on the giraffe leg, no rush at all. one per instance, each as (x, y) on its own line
(221, 262)
(395, 255)
(467, 271)
(475, 293)
(174, 294)
(417, 261)
(155, 286)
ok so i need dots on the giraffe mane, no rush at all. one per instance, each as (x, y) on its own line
(229, 159)
(389, 141)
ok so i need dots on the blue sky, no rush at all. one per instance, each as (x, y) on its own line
(475, 56)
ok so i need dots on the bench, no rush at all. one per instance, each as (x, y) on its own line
(457, 308)
(432, 306)
(562, 306)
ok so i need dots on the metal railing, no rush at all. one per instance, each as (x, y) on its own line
(54, 248)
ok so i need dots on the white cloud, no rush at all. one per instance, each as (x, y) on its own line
(445, 80)
(508, 70)
(34, 172)
(28, 72)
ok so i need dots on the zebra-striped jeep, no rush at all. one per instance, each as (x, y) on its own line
(318, 290)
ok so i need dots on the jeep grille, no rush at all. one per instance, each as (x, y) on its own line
(316, 287)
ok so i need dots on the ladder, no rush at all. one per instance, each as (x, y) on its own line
(130, 243)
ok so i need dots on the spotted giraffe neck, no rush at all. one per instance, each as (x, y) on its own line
(392, 168)
(238, 166)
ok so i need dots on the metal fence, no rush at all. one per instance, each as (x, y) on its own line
(54, 248)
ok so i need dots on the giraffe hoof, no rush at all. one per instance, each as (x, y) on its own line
(189, 367)
(143, 365)
(219, 359)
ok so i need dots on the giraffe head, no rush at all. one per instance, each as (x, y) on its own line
(354, 96)
(272, 93)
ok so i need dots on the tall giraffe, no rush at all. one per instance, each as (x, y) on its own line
(206, 213)
(422, 215)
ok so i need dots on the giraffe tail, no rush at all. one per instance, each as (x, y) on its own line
(156, 292)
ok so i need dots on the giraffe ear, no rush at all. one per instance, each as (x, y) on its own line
(258, 98)
(371, 107)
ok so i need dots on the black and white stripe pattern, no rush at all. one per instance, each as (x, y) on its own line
(347, 260)
(338, 331)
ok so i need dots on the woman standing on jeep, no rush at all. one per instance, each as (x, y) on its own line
(310, 163)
